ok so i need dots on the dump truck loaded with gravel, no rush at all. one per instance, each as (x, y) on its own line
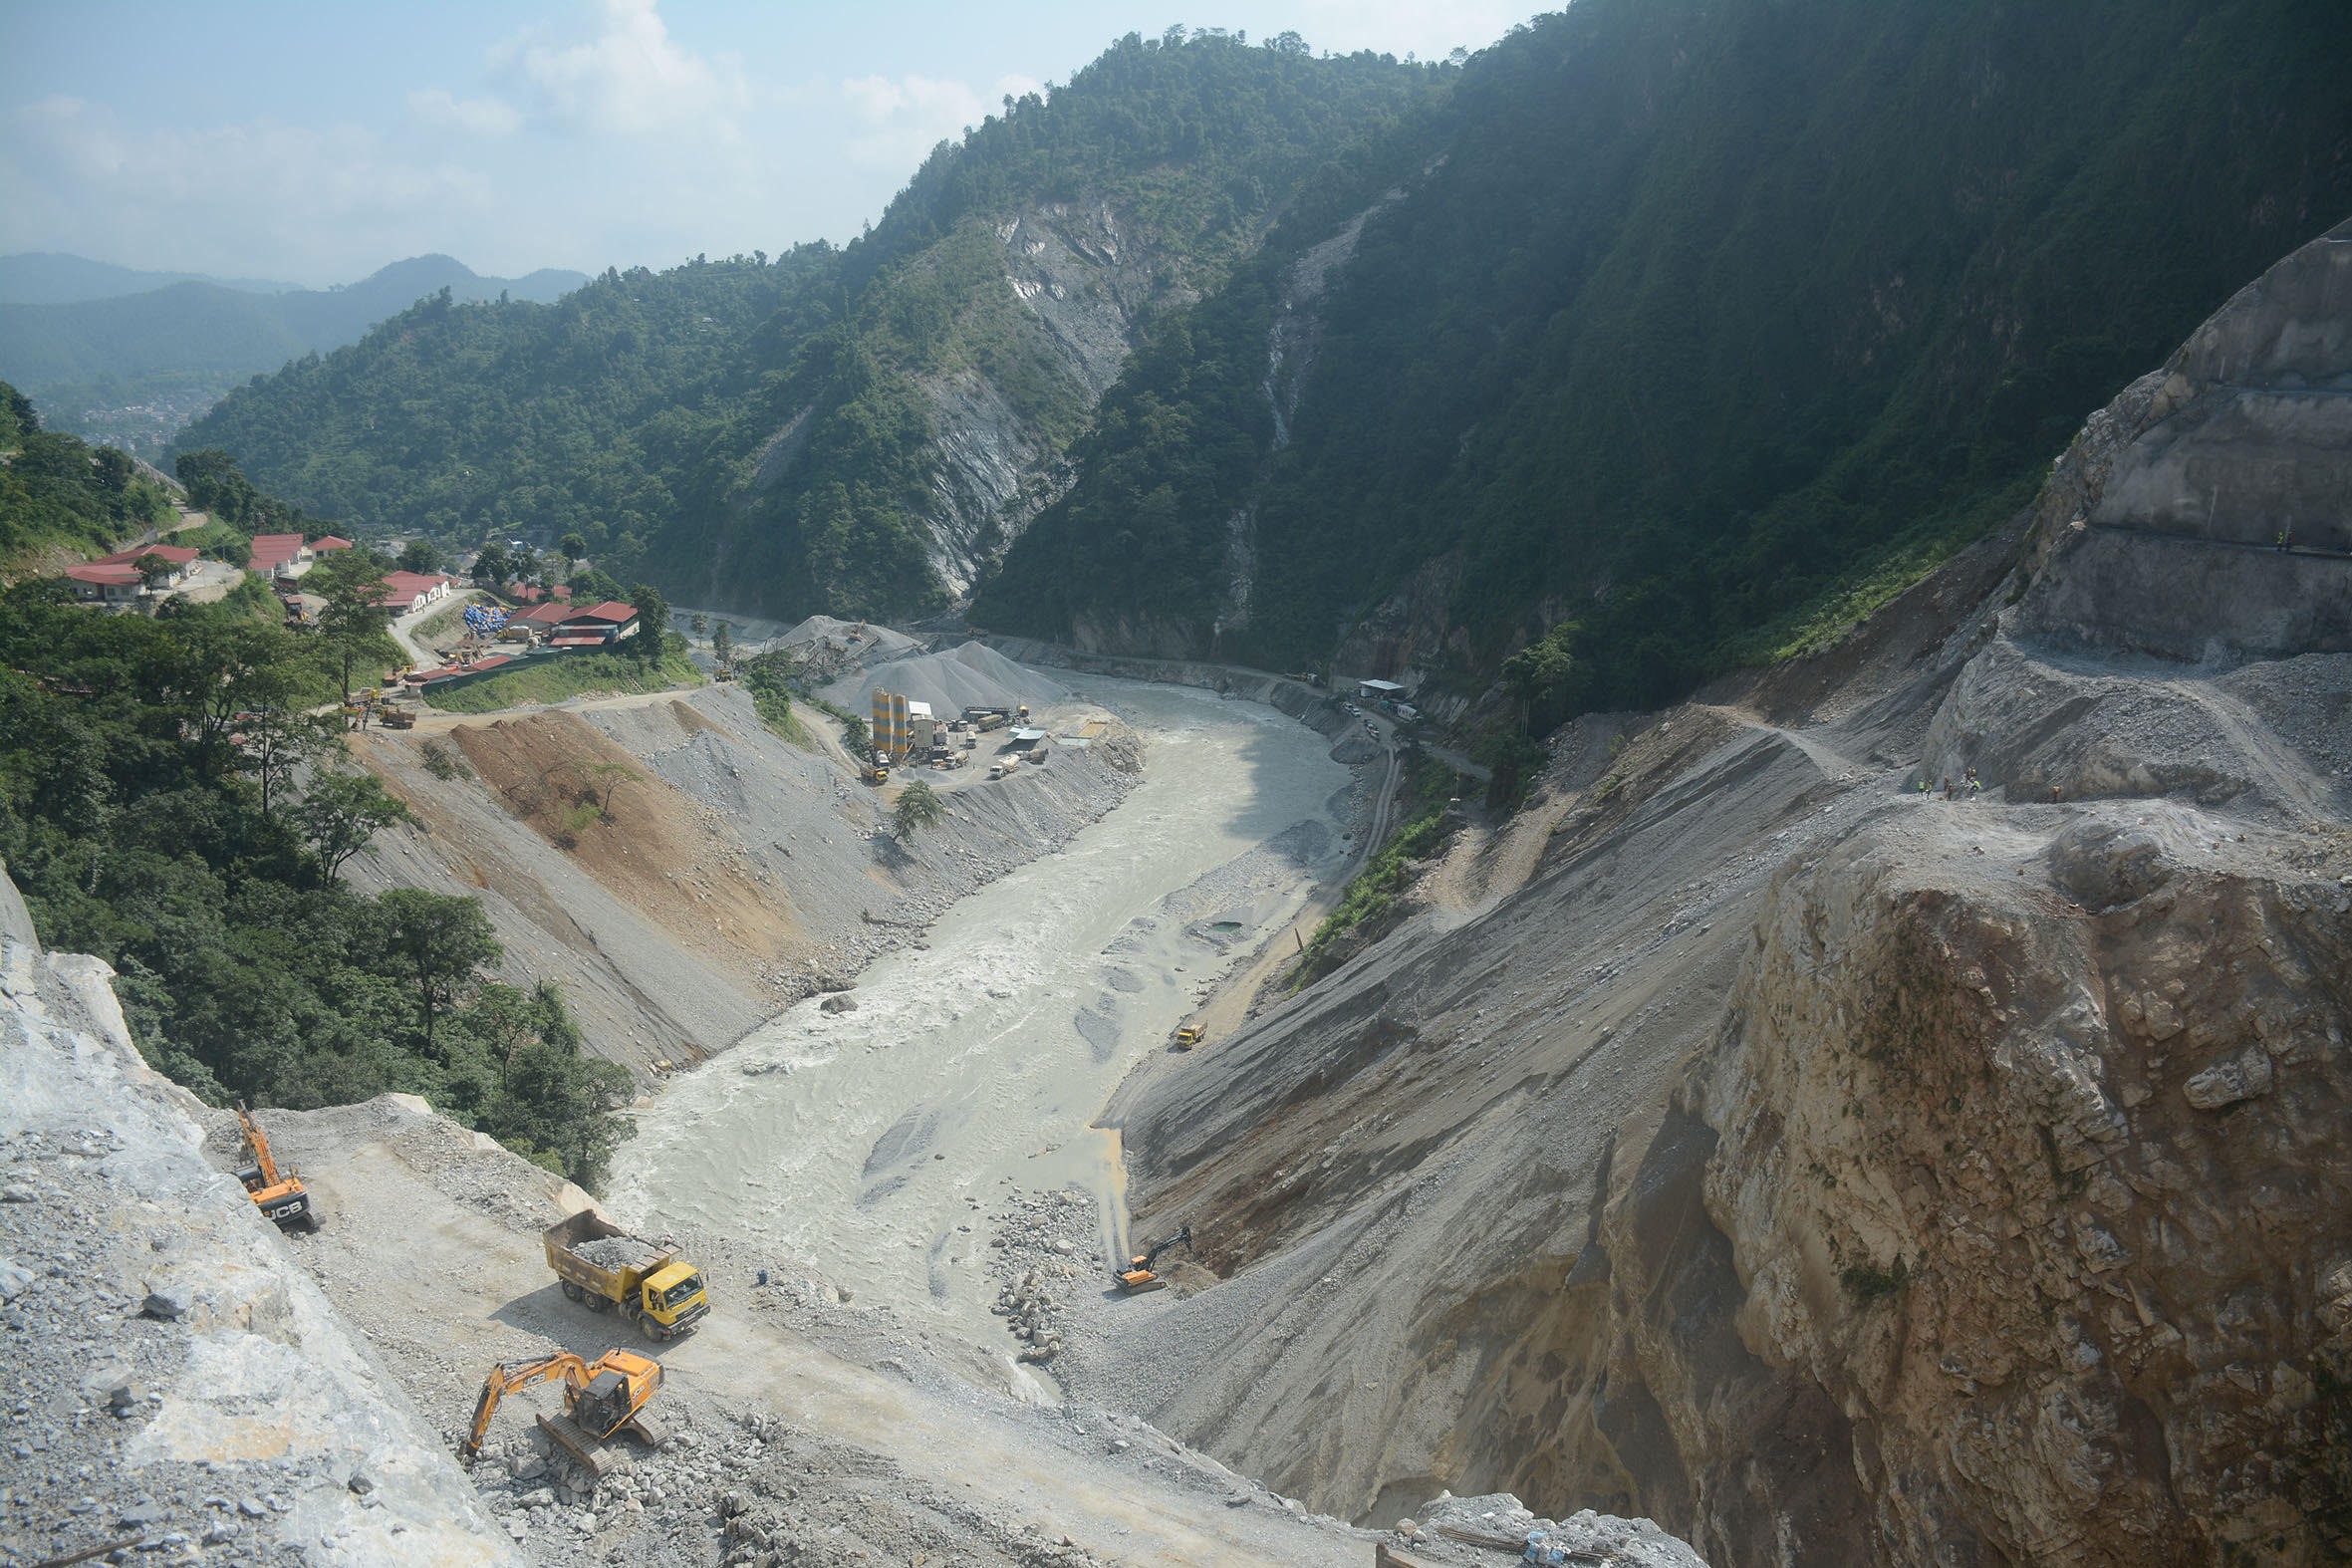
(604, 1266)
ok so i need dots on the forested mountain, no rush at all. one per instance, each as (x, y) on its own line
(190, 341)
(1667, 333)
(61, 497)
(858, 429)
(1708, 321)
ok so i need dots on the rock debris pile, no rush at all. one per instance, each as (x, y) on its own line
(1476, 1532)
(618, 1252)
(1043, 1254)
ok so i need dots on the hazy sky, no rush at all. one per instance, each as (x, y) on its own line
(317, 142)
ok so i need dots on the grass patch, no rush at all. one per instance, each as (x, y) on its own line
(1826, 619)
(767, 678)
(443, 621)
(567, 676)
(1373, 894)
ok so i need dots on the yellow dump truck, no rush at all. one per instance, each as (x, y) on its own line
(602, 1265)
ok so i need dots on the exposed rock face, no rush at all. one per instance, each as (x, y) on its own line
(180, 1381)
(2201, 471)
(1840, 1174)
(2045, 1202)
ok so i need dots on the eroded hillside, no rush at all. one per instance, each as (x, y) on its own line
(681, 871)
(1837, 1171)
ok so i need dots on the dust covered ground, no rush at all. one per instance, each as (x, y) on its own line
(809, 1429)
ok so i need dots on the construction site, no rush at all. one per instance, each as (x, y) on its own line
(1753, 1150)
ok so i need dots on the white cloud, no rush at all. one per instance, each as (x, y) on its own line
(629, 78)
(901, 119)
(217, 198)
(474, 116)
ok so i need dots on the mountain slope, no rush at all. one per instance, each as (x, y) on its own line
(47, 277)
(174, 350)
(1839, 1172)
(1712, 315)
(868, 438)
(60, 500)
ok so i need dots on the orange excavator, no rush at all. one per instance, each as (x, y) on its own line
(601, 1398)
(1138, 1277)
(279, 1194)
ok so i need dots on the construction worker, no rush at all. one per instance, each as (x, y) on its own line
(1948, 786)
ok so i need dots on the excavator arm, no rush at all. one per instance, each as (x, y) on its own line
(258, 1141)
(505, 1378)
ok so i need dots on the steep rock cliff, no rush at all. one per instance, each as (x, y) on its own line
(1840, 1172)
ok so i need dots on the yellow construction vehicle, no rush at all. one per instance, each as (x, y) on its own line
(601, 1398)
(875, 772)
(1138, 1277)
(279, 1194)
(603, 1267)
(1187, 1037)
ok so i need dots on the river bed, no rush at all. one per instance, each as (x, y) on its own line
(874, 1143)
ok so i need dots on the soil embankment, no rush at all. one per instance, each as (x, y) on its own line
(682, 871)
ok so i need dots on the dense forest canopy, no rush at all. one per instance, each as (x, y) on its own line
(1710, 320)
(636, 411)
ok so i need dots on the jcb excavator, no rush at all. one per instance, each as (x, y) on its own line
(1138, 1277)
(279, 1194)
(602, 1397)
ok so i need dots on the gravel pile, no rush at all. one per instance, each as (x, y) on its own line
(972, 676)
(1484, 1533)
(618, 1252)
(1043, 1255)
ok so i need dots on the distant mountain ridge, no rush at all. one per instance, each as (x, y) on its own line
(219, 327)
(49, 277)
(176, 348)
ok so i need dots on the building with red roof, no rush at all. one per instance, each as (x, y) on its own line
(280, 555)
(107, 582)
(598, 625)
(406, 591)
(181, 557)
(331, 542)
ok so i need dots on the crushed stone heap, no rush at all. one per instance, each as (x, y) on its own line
(618, 1252)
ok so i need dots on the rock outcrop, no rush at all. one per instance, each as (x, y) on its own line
(180, 1385)
(1838, 1172)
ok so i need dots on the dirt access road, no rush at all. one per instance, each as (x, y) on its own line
(451, 1278)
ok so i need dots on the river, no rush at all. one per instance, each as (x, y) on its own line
(873, 1142)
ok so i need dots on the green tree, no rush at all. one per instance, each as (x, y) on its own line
(917, 807)
(856, 736)
(115, 468)
(722, 646)
(572, 546)
(699, 624)
(341, 815)
(356, 617)
(421, 555)
(154, 570)
(275, 745)
(494, 566)
(1539, 677)
(653, 617)
(440, 941)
